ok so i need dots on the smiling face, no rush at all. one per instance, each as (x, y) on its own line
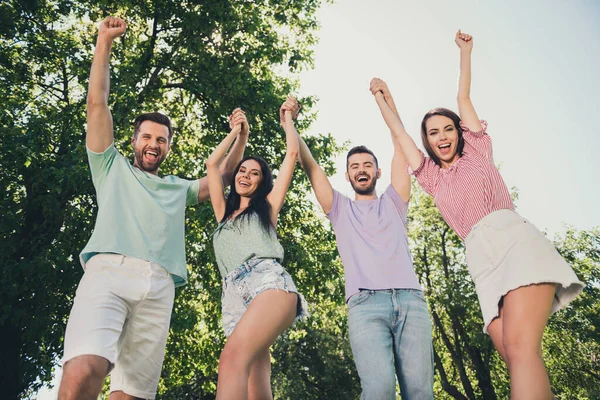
(248, 178)
(362, 173)
(443, 139)
(151, 146)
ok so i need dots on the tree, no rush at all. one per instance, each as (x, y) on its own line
(196, 61)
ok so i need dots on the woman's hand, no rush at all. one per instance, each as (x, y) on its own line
(464, 41)
(291, 105)
(238, 121)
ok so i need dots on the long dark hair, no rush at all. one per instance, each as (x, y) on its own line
(258, 202)
(444, 112)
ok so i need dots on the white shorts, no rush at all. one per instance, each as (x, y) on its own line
(121, 312)
(505, 252)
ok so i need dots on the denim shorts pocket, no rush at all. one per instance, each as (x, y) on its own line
(359, 298)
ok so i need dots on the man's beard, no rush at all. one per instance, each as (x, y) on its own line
(139, 161)
(366, 191)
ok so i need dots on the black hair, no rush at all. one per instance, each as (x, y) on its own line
(258, 202)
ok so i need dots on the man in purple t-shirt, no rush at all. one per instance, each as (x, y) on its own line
(389, 324)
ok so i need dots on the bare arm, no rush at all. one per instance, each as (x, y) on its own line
(277, 196)
(399, 173)
(465, 106)
(407, 145)
(99, 119)
(213, 179)
(318, 179)
(231, 160)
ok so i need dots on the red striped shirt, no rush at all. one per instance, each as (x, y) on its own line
(471, 188)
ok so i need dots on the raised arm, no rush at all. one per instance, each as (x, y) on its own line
(399, 173)
(466, 110)
(286, 170)
(414, 157)
(213, 178)
(99, 119)
(318, 179)
(233, 157)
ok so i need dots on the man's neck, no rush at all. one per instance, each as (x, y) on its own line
(370, 196)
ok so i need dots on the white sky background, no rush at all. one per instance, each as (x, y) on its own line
(536, 80)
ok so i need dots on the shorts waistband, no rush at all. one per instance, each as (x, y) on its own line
(123, 259)
(246, 267)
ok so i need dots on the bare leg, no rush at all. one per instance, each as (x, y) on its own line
(259, 382)
(83, 377)
(269, 314)
(495, 332)
(525, 315)
(120, 395)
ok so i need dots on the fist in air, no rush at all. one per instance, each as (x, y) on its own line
(464, 41)
(112, 28)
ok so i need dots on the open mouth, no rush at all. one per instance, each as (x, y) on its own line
(244, 184)
(444, 148)
(151, 155)
(362, 179)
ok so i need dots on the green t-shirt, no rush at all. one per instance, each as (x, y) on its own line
(139, 214)
(242, 239)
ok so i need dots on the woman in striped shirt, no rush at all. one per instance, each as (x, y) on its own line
(519, 276)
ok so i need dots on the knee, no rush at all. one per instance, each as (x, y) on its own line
(382, 388)
(517, 349)
(82, 375)
(380, 392)
(233, 358)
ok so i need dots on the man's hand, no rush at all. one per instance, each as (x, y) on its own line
(238, 117)
(464, 41)
(378, 85)
(111, 28)
(291, 105)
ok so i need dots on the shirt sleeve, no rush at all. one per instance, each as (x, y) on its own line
(479, 141)
(192, 193)
(336, 206)
(101, 163)
(427, 174)
(400, 205)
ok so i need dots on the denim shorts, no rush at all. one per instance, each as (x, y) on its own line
(244, 283)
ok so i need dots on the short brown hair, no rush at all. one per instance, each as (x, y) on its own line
(360, 150)
(153, 117)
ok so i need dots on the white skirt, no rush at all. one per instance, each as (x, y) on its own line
(504, 252)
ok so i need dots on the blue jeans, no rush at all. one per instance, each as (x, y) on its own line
(390, 331)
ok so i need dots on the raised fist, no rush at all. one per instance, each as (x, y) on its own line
(112, 28)
(463, 40)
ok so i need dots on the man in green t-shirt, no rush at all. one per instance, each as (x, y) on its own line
(136, 255)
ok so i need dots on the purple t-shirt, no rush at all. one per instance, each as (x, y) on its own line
(371, 239)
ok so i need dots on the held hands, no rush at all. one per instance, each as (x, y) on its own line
(238, 122)
(379, 86)
(464, 41)
(111, 28)
(290, 108)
